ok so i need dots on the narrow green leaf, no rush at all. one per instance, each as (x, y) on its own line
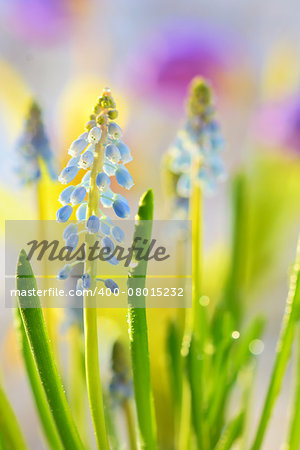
(231, 433)
(36, 332)
(283, 353)
(36, 387)
(10, 431)
(294, 432)
(138, 334)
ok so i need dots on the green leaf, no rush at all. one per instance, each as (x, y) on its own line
(11, 436)
(38, 339)
(138, 334)
(283, 352)
(36, 387)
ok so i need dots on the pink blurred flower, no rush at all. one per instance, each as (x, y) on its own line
(165, 64)
(278, 124)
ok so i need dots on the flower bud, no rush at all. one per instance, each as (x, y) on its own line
(64, 272)
(114, 131)
(106, 242)
(121, 208)
(112, 153)
(123, 177)
(86, 159)
(102, 181)
(93, 224)
(68, 174)
(86, 281)
(118, 234)
(70, 229)
(110, 284)
(124, 152)
(81, 211)
(77, 147)
(78, 195)
(64, 197)
(72, 240)
(94, 135)
(90, 124)
(64, 213)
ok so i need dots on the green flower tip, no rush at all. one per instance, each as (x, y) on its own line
(23, 266)
(145, 211)
(200, 96)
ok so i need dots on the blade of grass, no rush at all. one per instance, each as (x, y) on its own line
(231, 433)
(36, 387)
(10, 431)
(138, 334)
(36, 332)
(283, 352)
(294, 432)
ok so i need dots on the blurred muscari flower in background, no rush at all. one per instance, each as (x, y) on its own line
(196, 151)
(33, 149)
(120, 386)
(116, 155)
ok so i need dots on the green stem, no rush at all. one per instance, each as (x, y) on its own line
(46, 419)
(294, 432)
(10, 431)
(284, 347)
(138, 334)
(127, 408)
(38, 339)
(92, 368)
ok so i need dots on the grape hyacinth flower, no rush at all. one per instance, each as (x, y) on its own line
(195, 155)
(115, 154)
(33, 148)
(100, 151)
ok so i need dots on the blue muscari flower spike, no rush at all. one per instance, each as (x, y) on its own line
(115, 155)
(196, 151)
(33, 148)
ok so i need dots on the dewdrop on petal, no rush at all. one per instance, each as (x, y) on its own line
(68, 174)
(94, 135)
(77, 147)
(64, 213)
(78, 195)
(64, 196)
